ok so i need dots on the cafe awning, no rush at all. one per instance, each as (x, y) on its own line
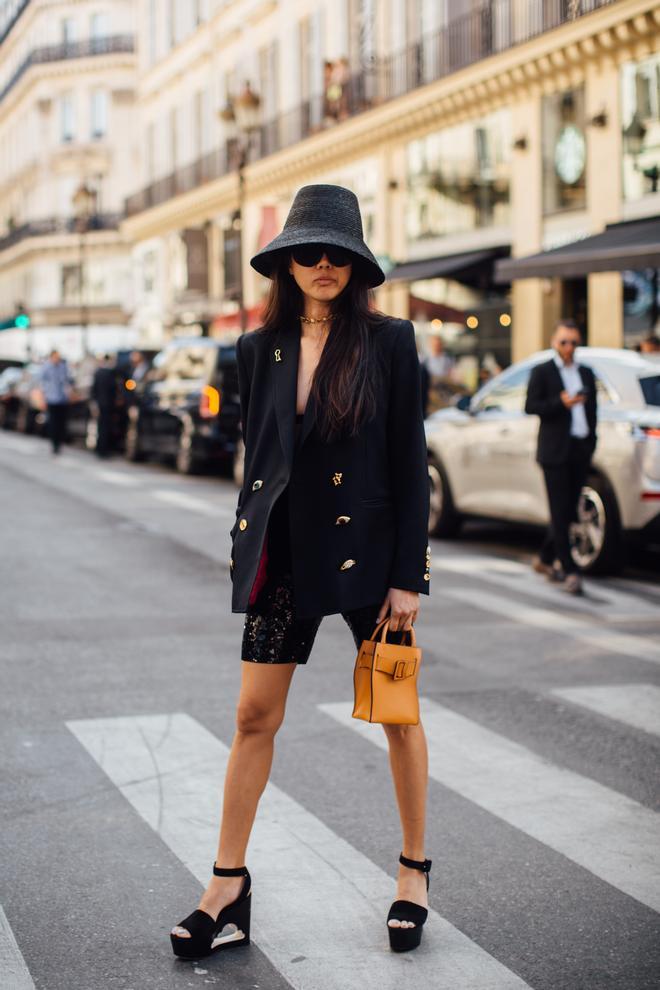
(458, 266)
(632, 244)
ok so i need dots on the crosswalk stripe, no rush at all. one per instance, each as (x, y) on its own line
(608, 834)
(600, 599)
(319, 905)
(14, 974)
(591, 632)
(637, 705)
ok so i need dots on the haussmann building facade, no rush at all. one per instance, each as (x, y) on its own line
(505, 154)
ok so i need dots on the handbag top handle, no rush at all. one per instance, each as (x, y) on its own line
(384, 626)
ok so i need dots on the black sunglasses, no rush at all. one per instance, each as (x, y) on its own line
(309, 255)
(567, 343)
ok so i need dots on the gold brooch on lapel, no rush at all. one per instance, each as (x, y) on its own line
(278, 354)
(336, 478)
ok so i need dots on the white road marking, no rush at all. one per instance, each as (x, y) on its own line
(637, 705)
(14, 974)
(185, 501)
(608, 834)
(319, 906)
(114, 477)
(587, 631)
(610, 603)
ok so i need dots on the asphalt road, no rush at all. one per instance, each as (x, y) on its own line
(120, 666)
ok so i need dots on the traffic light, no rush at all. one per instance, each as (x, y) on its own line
(19, 321)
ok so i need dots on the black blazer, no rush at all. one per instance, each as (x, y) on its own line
(543, 400)
(358, 506)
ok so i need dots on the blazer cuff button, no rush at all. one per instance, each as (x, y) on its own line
(243, 524)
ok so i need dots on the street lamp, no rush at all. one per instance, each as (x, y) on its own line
(241, 117)
(84, 208)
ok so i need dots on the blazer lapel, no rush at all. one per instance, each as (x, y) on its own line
(284, 356)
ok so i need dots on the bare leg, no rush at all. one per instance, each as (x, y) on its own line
(409, 763)
(261, 705)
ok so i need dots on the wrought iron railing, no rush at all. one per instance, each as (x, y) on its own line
(10, 15)
(59, 225)
(69, 49)
(494, 27)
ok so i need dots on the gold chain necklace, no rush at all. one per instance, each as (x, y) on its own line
(308, 319)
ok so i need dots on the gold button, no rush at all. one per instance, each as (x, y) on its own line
(257, 485)
(231, 562)
(242, 524)
(336, 478)
(427, 577)
(342, 520)
(347, 564)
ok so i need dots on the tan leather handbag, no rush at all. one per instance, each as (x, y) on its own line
(385, 679)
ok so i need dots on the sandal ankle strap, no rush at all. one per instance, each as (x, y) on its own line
(424, 865)
(238, 871)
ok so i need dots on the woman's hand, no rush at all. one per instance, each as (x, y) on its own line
(402, 606)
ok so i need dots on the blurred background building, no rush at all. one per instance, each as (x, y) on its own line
(488, 142)
(67, 91)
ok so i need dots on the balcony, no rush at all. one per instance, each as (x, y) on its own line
(111, 45)
(58, 225)
(495, 27)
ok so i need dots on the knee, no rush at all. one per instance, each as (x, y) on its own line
(255, 717)
(399, 734)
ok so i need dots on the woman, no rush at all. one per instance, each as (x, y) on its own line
(332, 517)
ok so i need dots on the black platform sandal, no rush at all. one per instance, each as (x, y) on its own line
(403, 939)
(206, 932)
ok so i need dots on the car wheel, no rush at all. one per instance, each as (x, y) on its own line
(186, 460)
(443, 518)
(239, 463)
(596, 538)
(133, 449)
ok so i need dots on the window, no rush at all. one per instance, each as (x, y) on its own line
(68, 30)
(640, 105)
(651, 389)
(564, 152)
(459, 178)
(99, 113)
(67, 118)
(99, 26)
(70, 284)
(508, 395)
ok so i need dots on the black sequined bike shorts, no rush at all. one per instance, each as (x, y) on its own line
(273, 634)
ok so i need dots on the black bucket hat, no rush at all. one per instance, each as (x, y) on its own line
(322, 214)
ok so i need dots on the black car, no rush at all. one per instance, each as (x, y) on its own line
(187, 409)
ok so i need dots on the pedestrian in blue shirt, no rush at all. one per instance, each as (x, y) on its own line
(55, 380)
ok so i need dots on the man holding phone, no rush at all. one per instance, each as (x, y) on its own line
(562, 394)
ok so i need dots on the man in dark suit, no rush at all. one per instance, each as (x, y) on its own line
(104, 394)
(562, 394)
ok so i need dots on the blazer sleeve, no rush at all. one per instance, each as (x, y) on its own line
(539, 402)
(409, 479)
(244, 399)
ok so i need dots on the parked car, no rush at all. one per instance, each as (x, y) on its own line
(30, 416)
(482, 458)
(9, 379)
(187, 409)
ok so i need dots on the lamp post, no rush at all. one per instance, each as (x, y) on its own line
(241, 118)
(84, 207)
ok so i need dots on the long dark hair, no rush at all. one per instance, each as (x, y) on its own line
(343, 385)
